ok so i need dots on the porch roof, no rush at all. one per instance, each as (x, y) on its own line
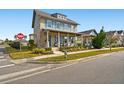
(63, 31)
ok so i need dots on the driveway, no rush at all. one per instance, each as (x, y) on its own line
(107, 69)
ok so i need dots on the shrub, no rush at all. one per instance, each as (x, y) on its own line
(31, 44)
(38, 50)
(48, 49)
(15, 45)
(42, 51)
(71, 49)
(25, 48)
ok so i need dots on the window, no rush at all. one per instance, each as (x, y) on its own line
(61, 26)
(67, 27)
(49, 23)
(54, 24)
(58, 25)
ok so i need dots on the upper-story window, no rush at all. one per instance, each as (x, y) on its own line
(61, 26)
(49, 23)
(58, 25)
(73, 28)
(67, 27)
(54, 24)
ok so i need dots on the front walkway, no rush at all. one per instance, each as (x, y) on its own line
(56, 53)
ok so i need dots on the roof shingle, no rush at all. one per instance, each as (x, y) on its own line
(49, 16)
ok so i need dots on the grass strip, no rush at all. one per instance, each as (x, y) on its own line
(78, 55)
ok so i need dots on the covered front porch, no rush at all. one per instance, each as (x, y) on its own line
(61, 38)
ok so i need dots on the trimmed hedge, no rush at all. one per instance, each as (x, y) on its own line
(71, 49)
(42, 51)
(48, 49)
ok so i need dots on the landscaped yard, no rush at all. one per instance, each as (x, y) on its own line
(78, 56)
(26, 53)
(21, 55)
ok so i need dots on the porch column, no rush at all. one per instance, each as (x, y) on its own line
(67, 39)
(58, 39)
(82, 40)
(47, 45)
(75, 40)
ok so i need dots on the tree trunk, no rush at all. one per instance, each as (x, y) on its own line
(110, 47)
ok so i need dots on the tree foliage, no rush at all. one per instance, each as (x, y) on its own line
(98, 41)
(31, 44)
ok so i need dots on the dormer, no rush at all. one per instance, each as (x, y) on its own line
(59, 16)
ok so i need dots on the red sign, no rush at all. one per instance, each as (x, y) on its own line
(20, 36)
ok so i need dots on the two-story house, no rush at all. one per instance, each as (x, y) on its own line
(53, 30)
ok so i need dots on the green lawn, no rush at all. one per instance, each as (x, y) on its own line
(79, 55)
(21, 55)
(17, 54)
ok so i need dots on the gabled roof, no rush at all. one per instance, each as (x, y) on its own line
(120, 31)
(87, 32)
(49, 16)
(111, 33)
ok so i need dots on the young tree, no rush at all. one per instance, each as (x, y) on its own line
(122, 40)
(98, 41)
(111, 39)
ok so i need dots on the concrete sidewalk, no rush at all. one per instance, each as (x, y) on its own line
(19, 61)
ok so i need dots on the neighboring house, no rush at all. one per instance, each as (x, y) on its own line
(24, 43)
(53, 30)
(31, 36)
(87, 36)
(112, 37)
(121, 37)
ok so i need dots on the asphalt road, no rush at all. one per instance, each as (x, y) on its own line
(107, 69)
(7, 67)
(4, 58)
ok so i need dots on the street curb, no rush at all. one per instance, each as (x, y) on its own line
(70, 61)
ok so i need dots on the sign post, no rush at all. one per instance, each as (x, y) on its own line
(20, 36)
